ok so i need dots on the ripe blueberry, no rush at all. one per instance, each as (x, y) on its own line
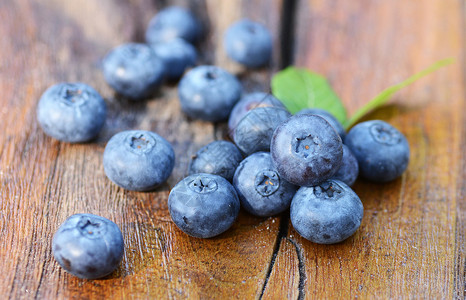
(254, 132)
(177, 55)
(260, 189)
(248, 102)
(138, 160)
(306, 150)
(88, 246)
(133, 70)
(327, 213)
(71, 112)
(381, 150)
(203, 205)
(208, 93)
(248, 43)
(171, 23)
(328, 117)
(218, 158)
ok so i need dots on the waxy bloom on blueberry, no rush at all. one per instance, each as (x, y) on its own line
(71, 112)
(203, 205)
(88, 246)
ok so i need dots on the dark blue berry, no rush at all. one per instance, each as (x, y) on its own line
(248, 102)
(381, 150)
(328, 117)
(208, 93)
(254, 132)
(171, 23)
(260, 189)
(71, 112)
(133, 70)
(327, 213)
(203, 205)
(138, 160)
(88, 246)
(349, 169)
(218, 158)
(177, 55)
(306, 150)
(248, 43)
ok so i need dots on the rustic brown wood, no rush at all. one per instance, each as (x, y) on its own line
(411, 242)
(44, 181)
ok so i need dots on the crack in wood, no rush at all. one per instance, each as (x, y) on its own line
(282, 233)
(301, 268)
(287, 33)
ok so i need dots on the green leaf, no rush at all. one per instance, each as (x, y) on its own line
(385, 95)
(301, 88)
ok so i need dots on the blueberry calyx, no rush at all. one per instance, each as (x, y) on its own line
(328, 190)
(140, 143)
(385, 135)
(91, 229)
(211, 75)
(267, 182)
(251, 29)
(306, 146)
(203, 185)
(73, 95)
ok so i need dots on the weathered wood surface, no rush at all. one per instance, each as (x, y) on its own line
(411, 242)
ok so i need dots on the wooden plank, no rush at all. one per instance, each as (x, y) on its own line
(44, 181)
(287, 278)
(411, 242)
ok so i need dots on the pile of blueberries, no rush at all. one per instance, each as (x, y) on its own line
(305, 163)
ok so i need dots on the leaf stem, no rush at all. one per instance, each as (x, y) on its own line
(386, 94)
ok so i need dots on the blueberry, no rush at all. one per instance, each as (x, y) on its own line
(138, 160)
(88, 246)
(328, 117)
(381, 150)
(248, 43)
(349, 169)
(203, 205)
(254, 132)
(248, 102)
(133, 70)
(219, 158)
(260, 189)
(71, 112)
(171, 23)
(327, 213)
(306, 150)
(208, 93)
(177, 55)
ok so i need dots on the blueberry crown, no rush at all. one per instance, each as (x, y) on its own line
(91, 229)
(328, 190)
(307, 145)
(267, 182)
(203, 185)
(385, 134)
(140, 142)
(72, 94)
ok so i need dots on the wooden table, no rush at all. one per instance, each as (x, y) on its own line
(411, 243)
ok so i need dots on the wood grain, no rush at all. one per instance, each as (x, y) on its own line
(410, 244)
(412, 240)
(44, 181)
